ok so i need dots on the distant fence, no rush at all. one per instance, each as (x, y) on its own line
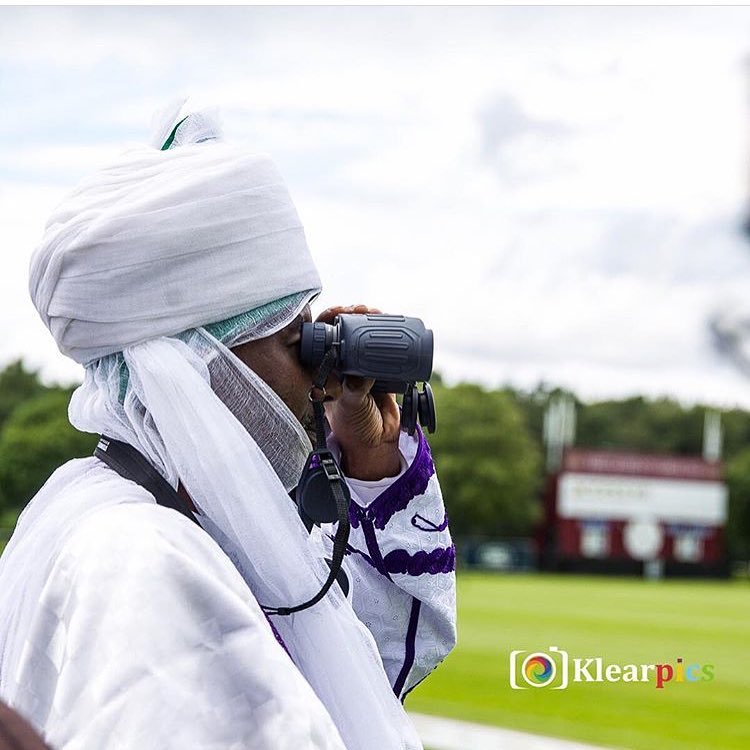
(507, 554)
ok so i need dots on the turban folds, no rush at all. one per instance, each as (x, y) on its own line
(163, 241)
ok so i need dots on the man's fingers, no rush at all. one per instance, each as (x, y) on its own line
(354, 389)
(328, 315)
(388, 407)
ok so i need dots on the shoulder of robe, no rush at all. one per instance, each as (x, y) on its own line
(143, 539)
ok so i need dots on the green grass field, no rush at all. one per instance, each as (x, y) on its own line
(625, 621)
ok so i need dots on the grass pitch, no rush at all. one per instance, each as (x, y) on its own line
(625, 621)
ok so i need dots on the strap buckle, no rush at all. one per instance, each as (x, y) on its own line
(331, 468)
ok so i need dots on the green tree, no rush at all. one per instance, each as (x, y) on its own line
(17, 384)
(487, 462)
(738, 524)
(736, 426)
(35, 440)
(639, 424)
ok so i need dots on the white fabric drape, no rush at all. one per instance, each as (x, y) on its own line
(235, 487)
(138, 633)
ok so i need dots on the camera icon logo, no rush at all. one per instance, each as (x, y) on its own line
(539, 669)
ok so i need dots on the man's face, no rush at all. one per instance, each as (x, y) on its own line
(276, 360)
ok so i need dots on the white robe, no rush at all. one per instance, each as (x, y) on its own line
(140, 633)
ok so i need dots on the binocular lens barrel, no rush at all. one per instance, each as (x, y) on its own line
(392, 349)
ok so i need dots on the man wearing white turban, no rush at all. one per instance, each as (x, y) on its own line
(179, 276)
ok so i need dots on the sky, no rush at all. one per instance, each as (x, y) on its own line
(558, 192)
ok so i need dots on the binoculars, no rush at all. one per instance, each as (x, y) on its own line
(394, 350)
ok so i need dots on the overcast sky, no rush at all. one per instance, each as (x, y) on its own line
(556, 191)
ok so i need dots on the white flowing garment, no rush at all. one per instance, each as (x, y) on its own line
(160, 243)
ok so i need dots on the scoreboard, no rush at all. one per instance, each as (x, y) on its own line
(614, 511)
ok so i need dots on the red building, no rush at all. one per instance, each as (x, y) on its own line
(629, 513)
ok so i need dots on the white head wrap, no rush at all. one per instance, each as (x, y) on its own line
(134, 266)
(163, 241)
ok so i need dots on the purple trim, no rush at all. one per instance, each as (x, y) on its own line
(355, 514)
(396, 497)
(429, 525)
(359, 516)
(372, 547)
(438, 560)
(353, 550)
(411, 639)
(278, 637)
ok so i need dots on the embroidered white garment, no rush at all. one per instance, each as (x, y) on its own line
(401, 562)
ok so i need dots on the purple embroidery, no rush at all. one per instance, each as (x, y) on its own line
(355, 512)
(353, 550)
(373, 548)
(438, 560)
(410, 650)
(278, 637)
(410, 484)
(428, 525)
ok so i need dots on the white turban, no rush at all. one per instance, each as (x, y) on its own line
(164, 241)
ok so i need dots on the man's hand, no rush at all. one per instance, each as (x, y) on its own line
(366, 425)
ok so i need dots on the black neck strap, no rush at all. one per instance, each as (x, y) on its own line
(335, 480)
(318, 395)
(132, 465)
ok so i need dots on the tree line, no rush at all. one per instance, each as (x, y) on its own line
(488, 448)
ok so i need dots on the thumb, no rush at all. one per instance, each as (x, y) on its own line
(355, 390)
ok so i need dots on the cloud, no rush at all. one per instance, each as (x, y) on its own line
(503, 123)
(555, 191)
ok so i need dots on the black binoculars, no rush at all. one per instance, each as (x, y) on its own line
(394, 350)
